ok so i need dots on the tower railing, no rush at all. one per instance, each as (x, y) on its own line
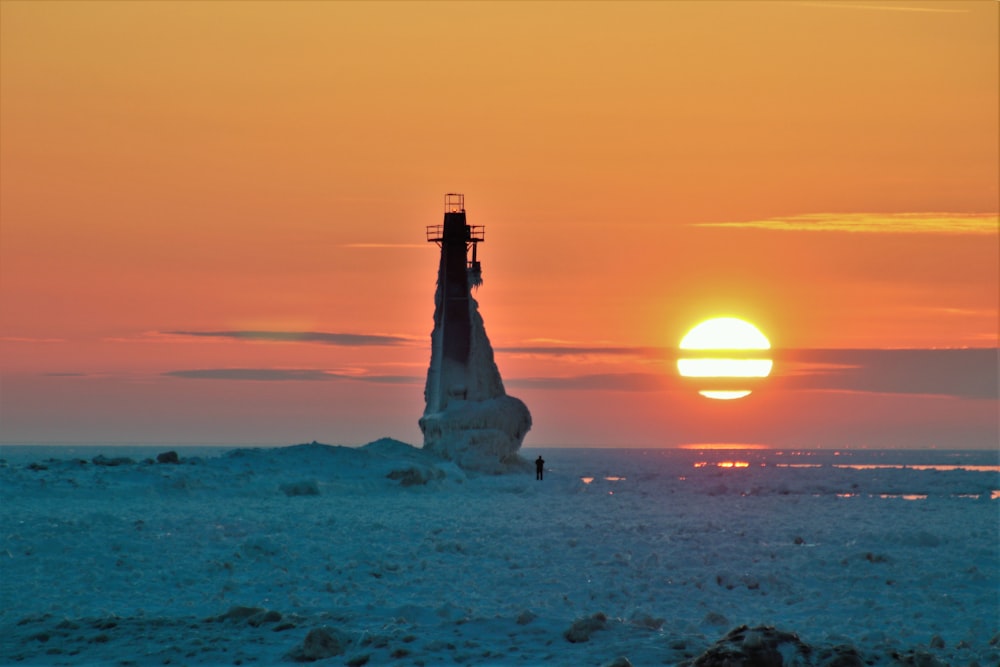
(476, 233)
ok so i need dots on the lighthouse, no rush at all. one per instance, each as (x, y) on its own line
(468, 418)
(451, 341)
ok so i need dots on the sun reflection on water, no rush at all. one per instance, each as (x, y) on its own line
(899, 466)
(723, 464)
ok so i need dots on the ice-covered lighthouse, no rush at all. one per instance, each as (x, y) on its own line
(468, 417)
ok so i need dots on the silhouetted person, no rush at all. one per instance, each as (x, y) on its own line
(539, 468)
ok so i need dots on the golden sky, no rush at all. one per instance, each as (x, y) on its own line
(175, 174)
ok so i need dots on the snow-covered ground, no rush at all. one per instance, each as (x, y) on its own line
(403, 559)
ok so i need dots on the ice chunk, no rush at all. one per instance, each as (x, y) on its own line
(306, 487)
(319, 644)
(583, 628)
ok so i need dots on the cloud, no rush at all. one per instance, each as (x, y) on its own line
(388, 379)
(959, 373)
(253, 374)
(597, 382)
(383, 245)
(286, 375)
(569, 350)
(359, 340)
(875, 223)
(965, 373)
(956, 373)
(883, 8)
(325, 338)
(26, 339)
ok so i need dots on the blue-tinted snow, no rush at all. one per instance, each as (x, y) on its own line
(416, 562)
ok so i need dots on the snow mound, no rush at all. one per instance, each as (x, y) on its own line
(390, 448)
(313, 469)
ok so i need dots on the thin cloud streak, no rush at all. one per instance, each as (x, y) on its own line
(883, 8)
(875, 223)
(325, 338)
(956, 373)
(959, 373)
(596, 382)
(285, 375)
(383, 245)
(571, 350)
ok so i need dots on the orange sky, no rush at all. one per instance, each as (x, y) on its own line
(827, 170)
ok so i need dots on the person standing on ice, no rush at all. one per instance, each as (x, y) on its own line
(539, 468)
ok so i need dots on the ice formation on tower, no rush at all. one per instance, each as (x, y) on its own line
(469, 418)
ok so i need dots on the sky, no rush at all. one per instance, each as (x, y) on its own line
(212, 216)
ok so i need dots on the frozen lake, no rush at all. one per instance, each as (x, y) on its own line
(233, 557)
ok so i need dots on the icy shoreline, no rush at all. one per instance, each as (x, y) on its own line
(407, 559)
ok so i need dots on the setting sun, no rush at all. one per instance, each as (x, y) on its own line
(717, 339)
